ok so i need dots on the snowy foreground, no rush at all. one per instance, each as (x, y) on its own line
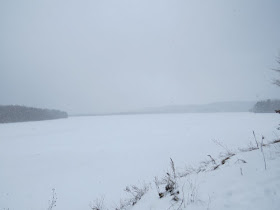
(89, 158)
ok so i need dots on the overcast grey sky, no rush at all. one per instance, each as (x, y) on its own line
(114, 55)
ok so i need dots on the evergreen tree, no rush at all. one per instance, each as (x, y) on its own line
(14, 113)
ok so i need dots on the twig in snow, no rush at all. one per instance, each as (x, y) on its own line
(256, 139)
(212, 159)
(263, 153)
(240, 161)
(52, 202)
(209, 202)
(228, 151)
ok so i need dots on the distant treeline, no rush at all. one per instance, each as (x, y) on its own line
(13, 113)
(268, 106)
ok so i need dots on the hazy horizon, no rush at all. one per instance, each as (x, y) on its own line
(142, 109)
(112, 56)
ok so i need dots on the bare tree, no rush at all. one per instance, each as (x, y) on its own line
(277, 81)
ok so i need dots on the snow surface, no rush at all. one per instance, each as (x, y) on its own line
(84, 158)
(235, 185)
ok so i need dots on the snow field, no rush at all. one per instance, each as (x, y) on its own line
(84, 158)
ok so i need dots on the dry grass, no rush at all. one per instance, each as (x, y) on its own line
(52, 201)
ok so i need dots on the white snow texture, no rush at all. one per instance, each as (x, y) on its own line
(85, 158)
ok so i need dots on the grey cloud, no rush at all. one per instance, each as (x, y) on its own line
(97, 56)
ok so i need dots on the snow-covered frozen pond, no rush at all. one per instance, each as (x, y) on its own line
(87, 157)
